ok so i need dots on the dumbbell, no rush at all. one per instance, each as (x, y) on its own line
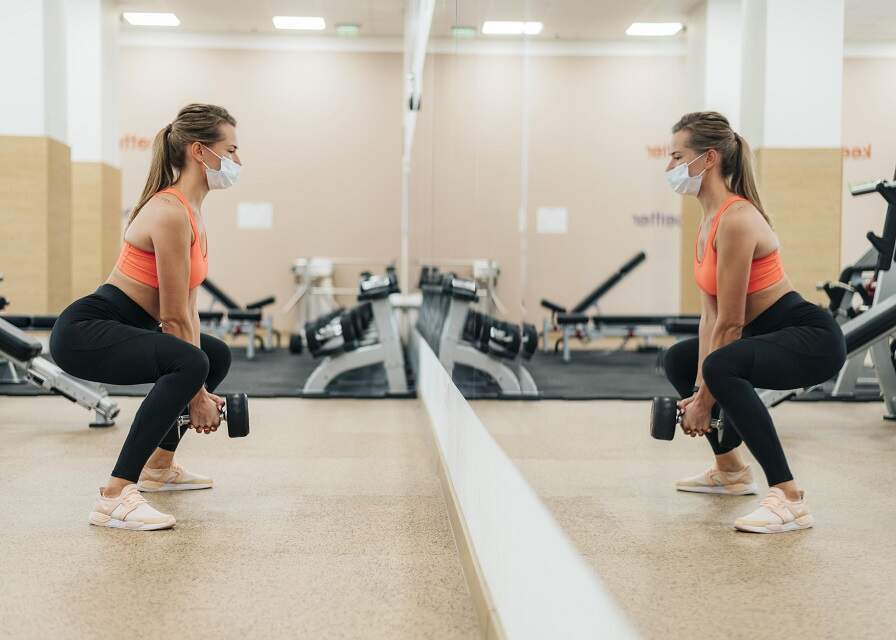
(530, 341)
(665, 417)
(235, 413)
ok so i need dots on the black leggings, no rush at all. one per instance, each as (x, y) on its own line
(106, 337)
(792, 344)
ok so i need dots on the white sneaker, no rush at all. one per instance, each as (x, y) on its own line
(729, 483)
(129, 510)
(174, 478)
(777, 514)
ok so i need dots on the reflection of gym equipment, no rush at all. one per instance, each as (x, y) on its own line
(315, 293)
(360, 337)
(484, 272)
(236, 320)
(872, 331)
(576, 323)
(235, 413)
(19, 352)
(461, 335)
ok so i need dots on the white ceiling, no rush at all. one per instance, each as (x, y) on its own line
(866, 20)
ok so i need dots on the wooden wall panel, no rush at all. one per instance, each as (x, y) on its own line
(35, 211)
(800, 189)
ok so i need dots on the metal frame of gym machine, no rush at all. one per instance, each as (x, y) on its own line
(46, 375)
(870, 331)
(512, 377)
(387, 350)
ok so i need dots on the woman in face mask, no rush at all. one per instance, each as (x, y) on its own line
(142, 325)
(755, 330)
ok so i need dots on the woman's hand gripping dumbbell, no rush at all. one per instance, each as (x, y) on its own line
(233, 409)
(667, 413)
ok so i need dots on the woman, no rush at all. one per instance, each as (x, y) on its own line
(755, 330)
(142, 325)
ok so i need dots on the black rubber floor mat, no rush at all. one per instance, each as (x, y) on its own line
(271, 374)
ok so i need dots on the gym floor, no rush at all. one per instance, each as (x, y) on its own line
(327, 521)
(673, 560)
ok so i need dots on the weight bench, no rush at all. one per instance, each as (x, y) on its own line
(237, 320)
(19, 351)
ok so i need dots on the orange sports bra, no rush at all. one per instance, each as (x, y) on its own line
(141, 265)
(764, 272)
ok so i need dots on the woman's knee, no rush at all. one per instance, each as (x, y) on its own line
(194, 363)
(218, 354)
(679, 358)
(716, 369)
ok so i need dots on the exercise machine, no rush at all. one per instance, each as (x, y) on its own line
(872, 331)
(236, 320)
(20, 363)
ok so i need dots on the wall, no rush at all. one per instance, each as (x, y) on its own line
(320, 136)
(869, 137)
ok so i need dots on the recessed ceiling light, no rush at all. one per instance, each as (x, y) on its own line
(653, 29)
(348, 29)
(463, 32)
(511, 28)
(301, 23)
(143, 19)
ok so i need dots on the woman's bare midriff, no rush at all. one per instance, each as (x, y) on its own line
(144, 295)
(760, 301)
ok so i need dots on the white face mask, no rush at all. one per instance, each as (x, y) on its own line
(682, 181)
(224, 177)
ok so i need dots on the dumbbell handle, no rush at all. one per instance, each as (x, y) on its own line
(715, 423)
(184, 421)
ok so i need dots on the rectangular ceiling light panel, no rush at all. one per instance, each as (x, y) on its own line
(511, 28)
(300, 23)
(143, 19)
(653, 29)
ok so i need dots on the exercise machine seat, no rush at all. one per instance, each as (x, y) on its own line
(258, 304)
(683, 326)
(572, 318)
(553, 306)
(870, 329)
(17, 344)
(248, 315)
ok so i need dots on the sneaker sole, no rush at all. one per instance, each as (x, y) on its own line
(155, 487)
(102, 520)
(806, 522)
(749, 489)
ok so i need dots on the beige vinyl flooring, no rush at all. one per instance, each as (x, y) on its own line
(328, 521)
(673, 561)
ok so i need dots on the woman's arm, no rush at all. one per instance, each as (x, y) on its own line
(194, 315)
(736, 241)
(171, 237)
(707, 324)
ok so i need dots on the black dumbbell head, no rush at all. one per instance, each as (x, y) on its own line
(237, 415)
(663, 418)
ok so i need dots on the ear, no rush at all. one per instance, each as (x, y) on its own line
(712, 158)
(195, 151)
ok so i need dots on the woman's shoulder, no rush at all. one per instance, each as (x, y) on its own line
(164, 214)
(164, 207)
